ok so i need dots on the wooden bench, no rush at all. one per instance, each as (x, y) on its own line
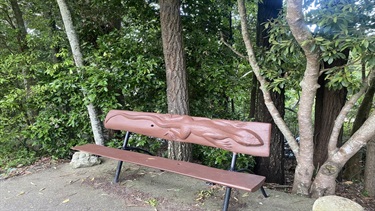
(251, 138)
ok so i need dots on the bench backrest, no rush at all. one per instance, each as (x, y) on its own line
(251, 138)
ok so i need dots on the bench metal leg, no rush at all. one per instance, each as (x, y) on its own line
(226, 198)
(119, 165)
(118, 171)
(263, 192)
(261, 188)
(228, 189)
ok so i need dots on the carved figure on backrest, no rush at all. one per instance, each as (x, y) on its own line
(218, 132)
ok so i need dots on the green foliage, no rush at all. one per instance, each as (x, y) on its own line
(221, 158)
(13, 158)
(151, 145)
(124, 68)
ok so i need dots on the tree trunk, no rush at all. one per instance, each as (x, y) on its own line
(328, 105)
(309, 85)
(22, 42)
(324, 182)
(353, 169)
(21, 36)
(273, 166)
(253, 97)
(78, 59)
(370, 168)
(177, 92)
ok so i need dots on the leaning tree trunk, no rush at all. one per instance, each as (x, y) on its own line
(273, 166)
(177, 92)
(353, 169)
(78, 59)
(325, 180)
(370, 168)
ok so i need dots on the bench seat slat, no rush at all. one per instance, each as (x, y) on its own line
(248, 182)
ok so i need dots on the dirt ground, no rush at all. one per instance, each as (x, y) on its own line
(140, 188)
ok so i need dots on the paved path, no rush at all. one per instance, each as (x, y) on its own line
(63, 188)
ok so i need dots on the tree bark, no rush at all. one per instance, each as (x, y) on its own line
(370, 168)
(253, 97)
(309, 84)
(21, 37)
(324, 182)
(78, 59)
(177, 92)
(327, 107)
(273, 166)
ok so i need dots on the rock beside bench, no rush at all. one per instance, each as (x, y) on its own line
(330, 203)
(83, 159)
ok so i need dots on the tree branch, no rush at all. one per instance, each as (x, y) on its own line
(339, 67)
(309, 83)
(263, 82)
(356, 141)
(332, 144)
(230, 47)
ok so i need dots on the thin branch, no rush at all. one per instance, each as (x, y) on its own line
(339, 67)
(263, 82)
(8, 19)
(231, 47)
(332, 144)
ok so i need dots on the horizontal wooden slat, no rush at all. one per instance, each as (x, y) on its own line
(248, 182)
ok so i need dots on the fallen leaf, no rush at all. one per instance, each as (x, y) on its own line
(21, 193)
(245, 195)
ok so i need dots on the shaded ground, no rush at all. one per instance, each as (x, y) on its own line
(53, 185)
(347, 189)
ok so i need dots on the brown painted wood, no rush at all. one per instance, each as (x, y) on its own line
(251, 138)
(248, 182)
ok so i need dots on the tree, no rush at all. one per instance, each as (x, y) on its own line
(329, 99)
(78, 58)
(272, 167)
(177, 92)
(324, 181)
(22, 42)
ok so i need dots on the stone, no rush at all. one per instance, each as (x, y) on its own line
(84, 159)
(330, 203)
